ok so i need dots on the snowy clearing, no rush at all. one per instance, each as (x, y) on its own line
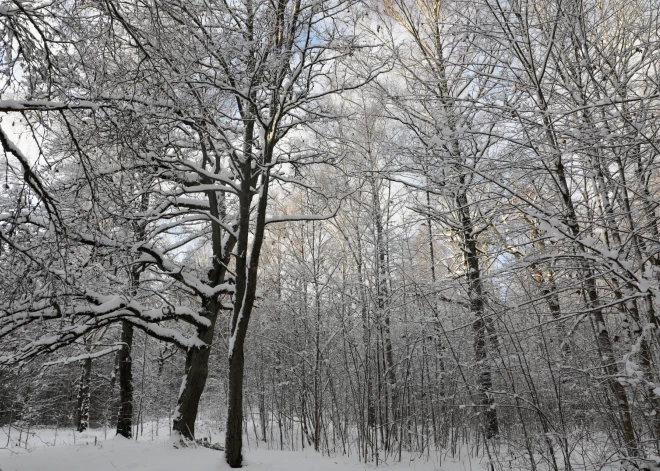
(118, 453)
(99, 449)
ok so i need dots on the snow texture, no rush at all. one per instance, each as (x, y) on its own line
(119, 453)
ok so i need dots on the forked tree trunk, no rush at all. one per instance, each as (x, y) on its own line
(197, 359)
(247, 268)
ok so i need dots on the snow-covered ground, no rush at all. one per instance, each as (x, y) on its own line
(121, 454)
(50, 450)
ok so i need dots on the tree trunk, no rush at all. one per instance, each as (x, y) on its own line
(234, 436)
(609, 367)
(317, 374)
(196, 369)
(124, 358)
(262, 401)
(84, 395)
(602, 335)
(125, 418)
(480, 324)
(194, 379)
(382, 303)
(366, 338)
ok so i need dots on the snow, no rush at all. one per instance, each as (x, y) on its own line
(100, 353)
(588, 241)
(5, 11)
(300, 217)
(21, 105)
(92, 452)
(113, 454)
(183, 385)
(64, 449)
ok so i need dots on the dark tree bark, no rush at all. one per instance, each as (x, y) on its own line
(234, 434)
(196, 369)
(196, 373)
(480, 324)
(603, 340)
(609, 366)
(245, 291)
(125, 417)
(124, 357)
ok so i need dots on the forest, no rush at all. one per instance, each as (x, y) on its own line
(384, 229)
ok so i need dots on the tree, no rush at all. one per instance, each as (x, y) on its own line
(451, 140)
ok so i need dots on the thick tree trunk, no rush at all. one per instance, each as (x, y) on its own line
(247, 269)
(125, 417)
(482, 330)
(84, 395)
(234, 437)
(609, 367)
(197, 360)
(485, 382)
(194, 380)
(124, 356)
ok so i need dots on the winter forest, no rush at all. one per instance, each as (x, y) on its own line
(412, 234)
